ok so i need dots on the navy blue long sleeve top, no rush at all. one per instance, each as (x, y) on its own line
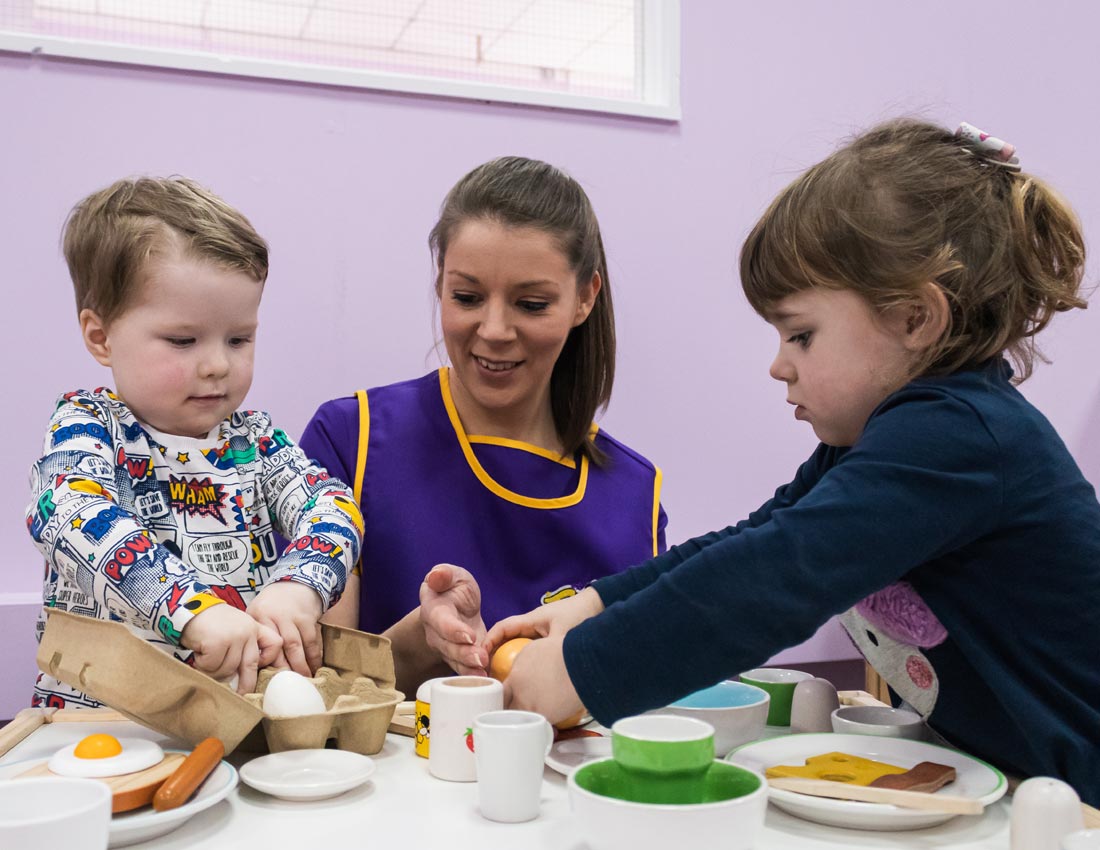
(957, 485)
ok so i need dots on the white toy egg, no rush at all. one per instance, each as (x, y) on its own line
(105, 755)
(291, 694)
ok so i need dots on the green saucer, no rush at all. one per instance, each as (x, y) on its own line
(721, 781)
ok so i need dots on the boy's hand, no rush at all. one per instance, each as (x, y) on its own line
(226, 641)
(292, 610)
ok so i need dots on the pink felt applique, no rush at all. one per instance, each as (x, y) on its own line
(899, 612)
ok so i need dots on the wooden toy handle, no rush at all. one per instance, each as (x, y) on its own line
(907, 799)
(25, 722)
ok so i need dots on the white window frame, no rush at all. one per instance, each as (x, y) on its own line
(660, 71)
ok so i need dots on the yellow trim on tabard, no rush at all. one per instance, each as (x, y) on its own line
(364, 439)
(484, 477)
(524, 447)
(656, 506)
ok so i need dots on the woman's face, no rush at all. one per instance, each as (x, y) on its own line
(508, 300)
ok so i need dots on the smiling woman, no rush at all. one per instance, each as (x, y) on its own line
(509, 302)
(494, 463)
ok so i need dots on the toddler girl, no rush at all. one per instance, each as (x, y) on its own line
(941, 515)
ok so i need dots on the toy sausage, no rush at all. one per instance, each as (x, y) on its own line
(178, 787)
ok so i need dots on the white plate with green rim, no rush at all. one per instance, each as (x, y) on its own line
(974, 778)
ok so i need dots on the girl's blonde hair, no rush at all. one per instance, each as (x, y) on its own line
(907, 203)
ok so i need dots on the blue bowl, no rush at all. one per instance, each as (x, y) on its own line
(736, 710)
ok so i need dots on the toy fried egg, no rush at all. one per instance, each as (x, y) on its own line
(105, 755)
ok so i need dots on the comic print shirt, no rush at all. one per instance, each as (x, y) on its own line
(150, 529)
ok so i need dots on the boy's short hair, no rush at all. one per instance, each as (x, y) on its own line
(111, 235)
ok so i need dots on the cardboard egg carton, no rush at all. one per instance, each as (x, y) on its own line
(113, 665)
(357, 714)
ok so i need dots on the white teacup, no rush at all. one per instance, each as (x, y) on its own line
(455, 702)
(510, 748)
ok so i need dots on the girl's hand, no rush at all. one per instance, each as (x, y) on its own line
(292, 610)
(551, 620)
(539, 681)
(226, 642)
(450, 613)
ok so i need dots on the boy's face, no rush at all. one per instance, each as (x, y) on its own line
(839, 359)
(181, 352)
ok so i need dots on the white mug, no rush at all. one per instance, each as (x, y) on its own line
(510, 748)
(455, 702)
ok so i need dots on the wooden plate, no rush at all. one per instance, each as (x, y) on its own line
(131, 791)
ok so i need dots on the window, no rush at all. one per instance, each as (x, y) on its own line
(617, 56)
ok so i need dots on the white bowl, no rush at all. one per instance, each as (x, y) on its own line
(39, 814)
(608, 823)
(879, 720)
(736, 710)
(307, 774)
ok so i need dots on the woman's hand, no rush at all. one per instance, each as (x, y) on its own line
(539, 681)
(450, 612)
(551, 620)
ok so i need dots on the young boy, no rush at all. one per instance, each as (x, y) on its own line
(158, 504)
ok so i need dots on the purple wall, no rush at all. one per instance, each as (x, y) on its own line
(345, 185)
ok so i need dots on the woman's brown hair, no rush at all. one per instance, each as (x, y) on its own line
(520, 192)
(907, 203)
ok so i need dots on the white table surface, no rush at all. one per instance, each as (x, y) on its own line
(403, 805)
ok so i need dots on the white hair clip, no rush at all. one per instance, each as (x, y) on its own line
(986, 147)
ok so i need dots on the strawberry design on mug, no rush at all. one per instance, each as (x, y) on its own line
(469, 739)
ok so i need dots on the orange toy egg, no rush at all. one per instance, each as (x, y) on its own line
(505, 657)
(98, 747)
(501, 665)
(570, 722)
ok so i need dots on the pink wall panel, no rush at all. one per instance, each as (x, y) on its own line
(345, 184)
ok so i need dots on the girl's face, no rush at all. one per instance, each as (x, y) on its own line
(839, 359)
(508, 300)
(181, 354)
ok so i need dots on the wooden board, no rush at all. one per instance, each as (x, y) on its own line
(29, 719)
(404, 719)
(858, 698)
(131, 791)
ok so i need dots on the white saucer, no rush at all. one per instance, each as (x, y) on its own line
(566, 755)
(145, 823)
(307, 774)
